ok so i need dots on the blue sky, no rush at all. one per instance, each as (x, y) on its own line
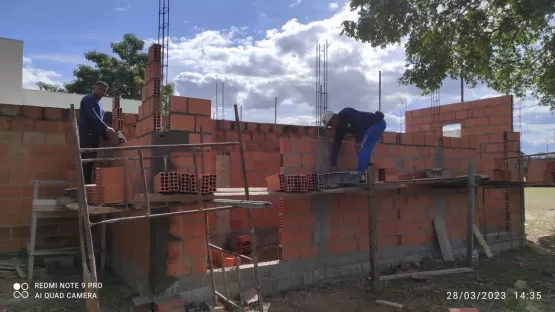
(259, 49)
(55, 36)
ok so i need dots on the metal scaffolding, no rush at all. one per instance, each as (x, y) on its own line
(86, 241)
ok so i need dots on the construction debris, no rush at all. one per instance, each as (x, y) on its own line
(390, 304)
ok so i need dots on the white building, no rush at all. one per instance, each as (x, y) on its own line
(12, 91)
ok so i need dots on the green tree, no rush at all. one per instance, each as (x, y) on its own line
(43, 86)
(123, 71)
(506, 44)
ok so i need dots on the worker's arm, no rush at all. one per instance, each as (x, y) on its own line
(89, 105)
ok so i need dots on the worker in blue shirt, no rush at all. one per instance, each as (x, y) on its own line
(92, 126)
(366, 127)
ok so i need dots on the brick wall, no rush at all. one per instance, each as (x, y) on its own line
(36, 143)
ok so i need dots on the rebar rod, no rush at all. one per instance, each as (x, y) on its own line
(249, 211)
(134, 147)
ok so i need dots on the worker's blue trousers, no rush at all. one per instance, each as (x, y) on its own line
(371, 138)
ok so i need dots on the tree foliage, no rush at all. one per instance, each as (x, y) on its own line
(123, 71)
(507, 44)
(43, 86)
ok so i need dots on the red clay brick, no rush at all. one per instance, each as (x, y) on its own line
(200, 107)
(203, 122)
(182, 122)
(276, 182)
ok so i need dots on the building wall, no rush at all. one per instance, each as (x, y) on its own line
(11, 75)
(36, 143)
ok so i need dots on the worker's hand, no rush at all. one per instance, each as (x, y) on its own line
(110, 130)
(357, 147)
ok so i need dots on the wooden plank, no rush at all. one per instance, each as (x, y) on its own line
(443, 238)
(424, 273)
(482, 241)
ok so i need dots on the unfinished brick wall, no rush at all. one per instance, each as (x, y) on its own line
(36, 143)
(405, 216)
(541, 171)
(488, 125)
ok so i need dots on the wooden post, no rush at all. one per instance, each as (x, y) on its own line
(372, 239)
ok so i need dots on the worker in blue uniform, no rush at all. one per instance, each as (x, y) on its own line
(92, 126)
(366, 127)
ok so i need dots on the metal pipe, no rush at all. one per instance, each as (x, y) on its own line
(206, 229)
(166, 214)
(50, 182)
(224, 276)
(128, 148)
(228, 301)
(506, 239)
(87, 160)
(249, 211)
(238, 270)
(145, 184)
(233, 253)
(470, 215)
(242, 203)
(532, 155)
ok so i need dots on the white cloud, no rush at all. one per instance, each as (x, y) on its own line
(297, 2)
(333, 6)
(32, 75)
(283, 64)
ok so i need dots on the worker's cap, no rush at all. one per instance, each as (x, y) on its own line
(326, 118)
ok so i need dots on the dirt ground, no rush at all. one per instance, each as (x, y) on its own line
(534, 266)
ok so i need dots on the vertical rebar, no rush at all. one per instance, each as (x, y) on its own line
(275, 110)
(249, 211)
(145, 184)
(380, 91)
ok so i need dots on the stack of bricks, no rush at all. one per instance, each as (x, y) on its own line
(494, 152)
(117, 116)
(176, 182)
(187, 250)
(295, 229)
(191, 116)
(150, 109)
(109, 188)
(297, 166)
